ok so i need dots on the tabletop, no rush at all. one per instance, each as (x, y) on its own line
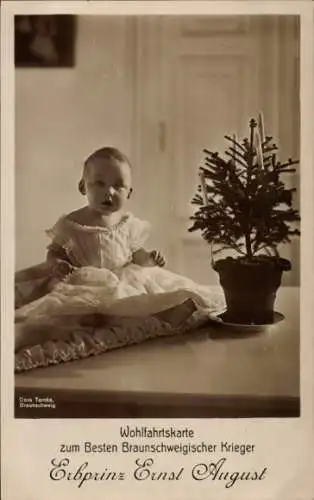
(209, 372)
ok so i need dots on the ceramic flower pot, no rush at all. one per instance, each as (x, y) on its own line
(250, 287)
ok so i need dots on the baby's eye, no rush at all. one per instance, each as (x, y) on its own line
(118, 186)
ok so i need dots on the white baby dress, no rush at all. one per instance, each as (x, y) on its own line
(105, 279)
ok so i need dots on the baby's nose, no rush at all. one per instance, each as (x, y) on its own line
(110, 190)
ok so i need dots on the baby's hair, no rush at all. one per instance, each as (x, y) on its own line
(106, 153)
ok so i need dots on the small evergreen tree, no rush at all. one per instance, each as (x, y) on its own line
(247, 206)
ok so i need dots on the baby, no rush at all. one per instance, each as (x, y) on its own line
(99, 261)
(106, 182)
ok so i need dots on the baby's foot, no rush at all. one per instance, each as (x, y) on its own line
(177, 315)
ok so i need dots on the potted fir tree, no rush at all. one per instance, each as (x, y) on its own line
(245, 205)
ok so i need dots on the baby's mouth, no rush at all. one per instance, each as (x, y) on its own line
(107, 203)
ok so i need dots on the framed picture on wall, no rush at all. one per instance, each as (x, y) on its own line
(44, 40)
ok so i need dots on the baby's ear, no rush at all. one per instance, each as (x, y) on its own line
(130, 193)
(81, 186)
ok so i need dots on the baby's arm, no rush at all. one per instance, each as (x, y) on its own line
(147, 259)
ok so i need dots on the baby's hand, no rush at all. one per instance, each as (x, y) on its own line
(157, 258)
(148, 259)
(60, 268)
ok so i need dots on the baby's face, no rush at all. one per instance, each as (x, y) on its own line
(108, 184)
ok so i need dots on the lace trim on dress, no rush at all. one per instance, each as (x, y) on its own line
(65, 245)
(83, 227)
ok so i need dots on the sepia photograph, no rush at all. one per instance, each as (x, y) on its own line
(157, 216)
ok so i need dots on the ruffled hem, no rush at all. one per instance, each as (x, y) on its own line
(84, 342)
